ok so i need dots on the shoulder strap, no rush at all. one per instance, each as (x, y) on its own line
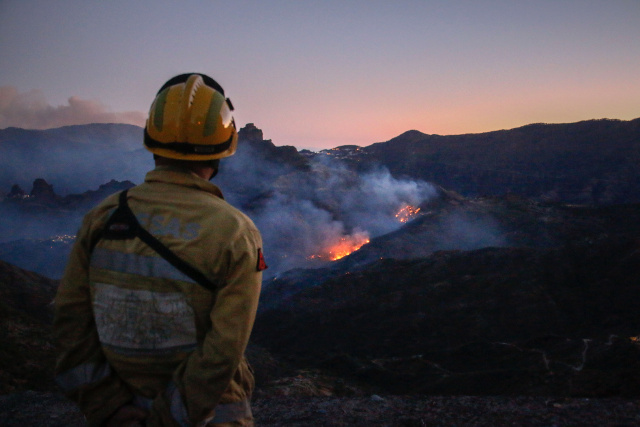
(123, 224)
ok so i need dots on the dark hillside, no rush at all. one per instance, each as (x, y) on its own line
(451, 222)
(499, 222)
(491, 321)
(551, 312)
(26, 348)
(592, 162)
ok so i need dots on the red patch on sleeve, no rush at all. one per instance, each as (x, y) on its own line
(262, 265)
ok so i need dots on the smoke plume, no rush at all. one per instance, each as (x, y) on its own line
(303, 214)
(309, 212)
(30, 110)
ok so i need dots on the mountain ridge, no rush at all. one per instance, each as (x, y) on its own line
(595, 157)
(589, 162)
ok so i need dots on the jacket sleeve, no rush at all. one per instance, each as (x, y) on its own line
(81, 369)
(200, 381)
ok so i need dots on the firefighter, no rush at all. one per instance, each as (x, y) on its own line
(157, 302)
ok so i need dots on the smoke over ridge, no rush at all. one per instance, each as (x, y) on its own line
(301, 214)
(310, 208)
(30, 110)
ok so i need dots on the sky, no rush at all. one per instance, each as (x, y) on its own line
(320, 74)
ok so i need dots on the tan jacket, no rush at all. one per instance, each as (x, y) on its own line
(132, 329)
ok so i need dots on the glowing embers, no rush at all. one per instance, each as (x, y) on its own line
(343, 247)
(407, 213)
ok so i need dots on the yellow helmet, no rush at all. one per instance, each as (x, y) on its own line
(190, 119)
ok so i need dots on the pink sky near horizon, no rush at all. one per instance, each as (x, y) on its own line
(319, 74)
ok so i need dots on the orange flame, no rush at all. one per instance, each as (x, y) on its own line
(407, 213)
(345, 246)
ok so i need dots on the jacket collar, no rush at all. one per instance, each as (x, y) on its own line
(183, 177)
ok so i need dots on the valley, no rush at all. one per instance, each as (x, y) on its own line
(408, 270)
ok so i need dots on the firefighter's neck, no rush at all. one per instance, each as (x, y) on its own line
(203, 169)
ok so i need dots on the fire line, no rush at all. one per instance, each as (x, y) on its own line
(407, 213)
(347, 245)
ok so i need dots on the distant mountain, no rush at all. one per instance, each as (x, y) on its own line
(73, 158)
(305, 202)
(592, 162)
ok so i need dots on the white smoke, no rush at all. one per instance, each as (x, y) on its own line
(30, 110)
(378, 199)
(303, 213)
(295, 230)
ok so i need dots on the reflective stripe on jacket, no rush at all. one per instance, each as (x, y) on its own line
(132, 328)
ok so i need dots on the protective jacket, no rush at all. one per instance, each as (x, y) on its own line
(131, 328)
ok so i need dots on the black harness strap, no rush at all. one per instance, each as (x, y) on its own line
(123, 224)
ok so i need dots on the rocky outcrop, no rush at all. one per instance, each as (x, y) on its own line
(262, 150)
(16, 193)
(43, 192)
(250, 133)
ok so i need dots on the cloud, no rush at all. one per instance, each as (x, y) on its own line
(31, 110)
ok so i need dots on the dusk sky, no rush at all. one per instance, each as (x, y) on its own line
(319, 74)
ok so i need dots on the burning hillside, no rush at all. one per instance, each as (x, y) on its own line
(320, 213)
(343, 247)
(348, 244)
(407, 213)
